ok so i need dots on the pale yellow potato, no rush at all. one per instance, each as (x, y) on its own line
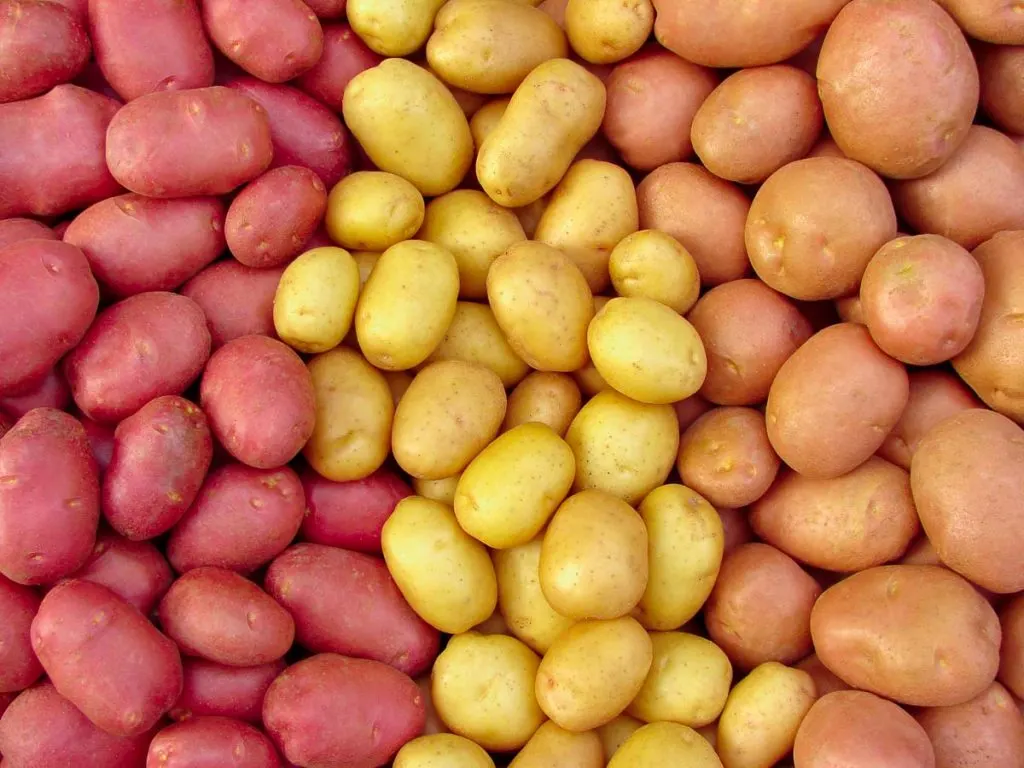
(760, 720)
(544, 397)
(592, 671)
(647, 351)
(410, 124)
(556, 110)
(686, 543)
(511, 489)
(373, 210)
(623, 447)
(486, 119)
(529, 215)
(407, 304)
(316, 299)
(398, 382)
(393, 27)
(688, 682)
(450, 412)
(483, 689)
(442, 750)
(552, 746)
(527, 612)
(366, 261)
(490, 46)
(444, 574)
(474, 336)
(476, 230)
(587, 378)
(468, 101)
(442, 490)
(593, 562)
(354, 412)
(654, 265)
(657, 745)
(543, 305)
(614, 734)
(607, 31)
(589, 213)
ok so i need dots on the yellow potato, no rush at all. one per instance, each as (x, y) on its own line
(373, 210)
(623, 447)
(590, 211)
(545, 397)
(553, 746)
(482, 687)
(398, 383)
(407, 304)
(761, 717)
(476, 230)
(527, 612)
(511, 489)
(647, 351)
(614, 734)
(409, 124)
(593, 563)
(592, 672)
(662, 744)
(366, 261)
(587, 378)
(434, 723)
(490, 46)
(688, 682)
(468, 101)
(529, 215)
(543, 305)
(450, 412)
(442, 750)
(607, 31)
(445, 574)
(442, 490)
(654, 265)
(393, 27)
(686, 542)
(354, 412)
(474, 336)
(556, 110)
(486, 119)
(316, 299)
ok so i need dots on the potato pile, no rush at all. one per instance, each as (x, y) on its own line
(519, 383)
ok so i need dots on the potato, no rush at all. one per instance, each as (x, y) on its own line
(344, 56)
(987, 20)
(44, 45)
(651, 264)
(547, 398)
(237, 300)
(814, 226)
(834, 401)
(521, 600)
(1011, 667)
(653, 744)
(467, 34)
(824, 681)
(213, 738)
(19, 667)
(551, 745)
(219, 690)
(474, 336)
(431, 559)
(485, 120)
(350, 514)
(316, 300)
(592, 671)
(762, 715)
(259, 399)
(987, 730)
(757, 121)
(554, 112)
(623, 447)
(373, 210)
(614, 734)
(327, 709)
(543, 304)
(482, 687)
(442, 490)
(855, 521)
(16, 229)
(752, 577)
(394, 28)
(607, 31)
(925, 73)
(917, 634)
(136, 571)
(49, 392)
(407, 304)
(427, 140)
(1000, 69)
(442, 750)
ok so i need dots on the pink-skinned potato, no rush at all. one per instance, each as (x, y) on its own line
(136, 571)
(237, 300)
(106, 657)
(101, 442)
(15, 229)
(344, 57)
(42, 44)
(19, 667)
(49, 498)
(1011, 663)
(50, 392)
(60, 164)
(1001, 68)
(327, 9)
(329, 710)
(211, 742)
(136, 244)
(219, 690)
(145, 346)
(986, 731)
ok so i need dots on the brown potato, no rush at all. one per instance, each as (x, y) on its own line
(995, 21)
(1001, 68)
(1011, 666)
(986, 731)
(549, 398)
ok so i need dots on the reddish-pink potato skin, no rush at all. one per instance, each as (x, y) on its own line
(351, 515)
(17, 229)
(49, 498)
(42, 729)
(42, 45)
(134, 570)
(237, 300)
(259, 398)
(49, 300)
(106, 657)
(148, 345)
(986, 731)
(211, 742)
(1002, 69)
(19, 667)
(204, 141)
(51, 392)
(217, 689)
(150, 45)
(101, 442)
(241, 519)
(327, 9)
(60, 164)
(136, 244)
(346, 602)
(329, 710)
(344, 57)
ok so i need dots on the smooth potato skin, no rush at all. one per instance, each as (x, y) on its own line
(991, 20)
(16, 229)
(1000, 68)
(344, 57)
(41, 45)
(50, 392)
(210, 742)
(19, 667)
(237, 300)
(136, 571)
(987, 730)
(219, 690)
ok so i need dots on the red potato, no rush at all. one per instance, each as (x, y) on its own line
(344, 57)
(51, 392)
(259, 398)
(49, 498)
(689, 410)
(136, 244)
(736, 527)
(148, 345)
(221, 616)
(18, 229)
(329, 710)
(19, 667)
(204, 141)
(150, 45)
(211, 742)
(995, 21)
(136, 571)
(220, 690)
(42, 44)
(237, 300)
(327, 9)
(101, 442)
(986, 731)
(106, 657)
(92, 78)
(1001, 68)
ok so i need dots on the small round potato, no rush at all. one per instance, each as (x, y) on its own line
(544, 397)
(987, 730)
(373, 210)
(653, 265)
(316, 300)
(551, 746)
(393, 27)
(614, 734)
(442, 490)
(658, 744)
(529, 615)
(474, 336)
(607, 31)
(442, 750)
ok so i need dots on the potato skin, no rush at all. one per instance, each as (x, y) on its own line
(1001, 68)
(1011, 667)
(19, 667)
(350, 514)
(344, 57)
(136, 571)
(43, 45)
(393, 27)
(237, 300)
(219, 690)
(989, 20)
(987, 730)
(16, 229)
(208, 741)
(548, 398)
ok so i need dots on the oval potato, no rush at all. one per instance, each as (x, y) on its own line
(548, 398)
(658, 744)
(552, 745)
(393, 27)
(521, 600)
(442, 750)
(474, 336)
(373, 210)
(607, 31)
(654, 265)
(316, 300)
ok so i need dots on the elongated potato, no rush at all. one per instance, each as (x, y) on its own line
(474, 336)
(44, 45)
(316, 300)
(528, 613)
(442, 750)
